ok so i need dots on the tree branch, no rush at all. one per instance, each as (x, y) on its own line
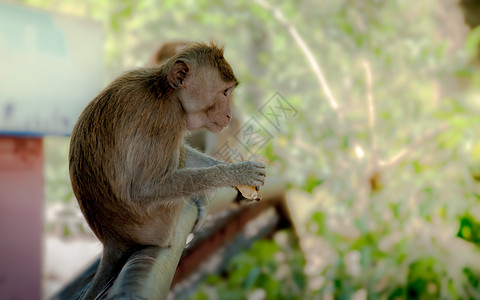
(306, 50)
(370, 105)
(402, 154)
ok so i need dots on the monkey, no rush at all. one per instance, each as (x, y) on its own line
(166, 51)
(202, 139)
(129, 166)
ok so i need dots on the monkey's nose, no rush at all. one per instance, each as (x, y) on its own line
(229, 116)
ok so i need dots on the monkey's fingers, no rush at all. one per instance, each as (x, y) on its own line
(260, 173)
(259, 164)
(253, 192)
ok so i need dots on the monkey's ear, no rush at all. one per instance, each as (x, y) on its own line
(178, 73)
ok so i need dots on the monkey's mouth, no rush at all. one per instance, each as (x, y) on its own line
(216, 128)
(223, 125)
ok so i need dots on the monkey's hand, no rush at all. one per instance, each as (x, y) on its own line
(251, 173)
(252, 192)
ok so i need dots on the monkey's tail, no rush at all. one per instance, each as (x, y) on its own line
(110, 265)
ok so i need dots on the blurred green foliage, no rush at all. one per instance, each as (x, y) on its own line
(390, 178)
(273, 269)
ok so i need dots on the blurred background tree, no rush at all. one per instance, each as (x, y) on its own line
(382, 159)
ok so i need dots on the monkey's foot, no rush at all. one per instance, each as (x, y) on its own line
(202, 213)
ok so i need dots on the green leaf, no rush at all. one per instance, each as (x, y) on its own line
(251, 278)
(213, 279)
(228, 294)
(66, 231)
(311, 183)
(319, 218)
(300, 279)
(476, 152)
(472, 42)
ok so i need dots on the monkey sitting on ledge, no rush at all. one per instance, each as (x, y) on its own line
(130, 169)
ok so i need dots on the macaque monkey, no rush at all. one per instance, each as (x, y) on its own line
(166, 51)
(202, 139)
(130, 169)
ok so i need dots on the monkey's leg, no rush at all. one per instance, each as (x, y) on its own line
(201, 202)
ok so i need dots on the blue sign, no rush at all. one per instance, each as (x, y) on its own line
(50, 68)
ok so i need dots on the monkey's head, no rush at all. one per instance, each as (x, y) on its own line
(204, 82)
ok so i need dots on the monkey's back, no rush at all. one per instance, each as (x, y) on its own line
(119, 146)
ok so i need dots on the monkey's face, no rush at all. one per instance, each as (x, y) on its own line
(206, 100)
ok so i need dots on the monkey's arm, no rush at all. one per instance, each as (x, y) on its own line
(196, 159)
(188, 182)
